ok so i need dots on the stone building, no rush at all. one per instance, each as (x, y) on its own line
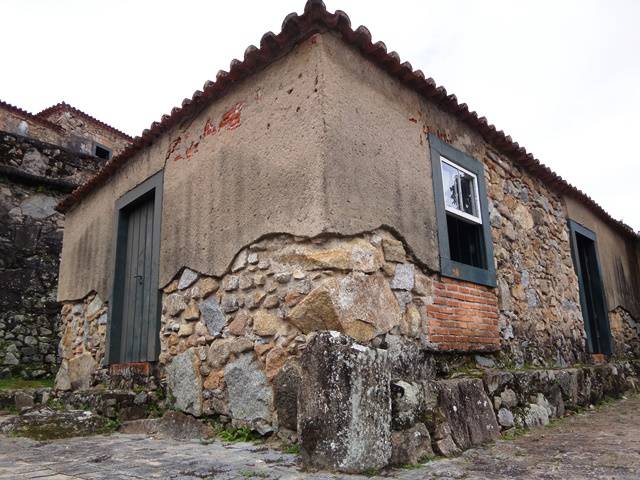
(43, 157)
(323, 185)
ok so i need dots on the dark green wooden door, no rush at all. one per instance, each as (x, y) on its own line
(139, 294)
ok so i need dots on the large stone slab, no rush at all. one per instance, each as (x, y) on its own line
(174, 425)
(354, 254)
(80, 370)
(185, 383)
(361, 306)
(250, 395)
(45, 424)
(286, 385)
(344, 405)
(465, 407)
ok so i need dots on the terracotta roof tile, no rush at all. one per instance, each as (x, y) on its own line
(31, 116)
(63, 106)
(295, 29)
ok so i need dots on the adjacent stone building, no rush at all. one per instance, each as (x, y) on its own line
(43, 157)
(323, 185)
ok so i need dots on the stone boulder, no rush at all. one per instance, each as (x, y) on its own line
(411, 446)
(286, 385)
(185, 383)
(344, 405)
(464, 406)
(250, 395)
(361, 306)
(45, 424)
(76, 373)
(174, 425)
(355, 254)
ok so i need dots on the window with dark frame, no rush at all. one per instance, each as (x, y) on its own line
(466, 250)
(102, 152)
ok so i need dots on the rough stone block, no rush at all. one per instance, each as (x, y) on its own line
(285, 387)
(468, 411)
(410, 446)
(185, 383)
(344, 405)
(249, 392)
(361, 306)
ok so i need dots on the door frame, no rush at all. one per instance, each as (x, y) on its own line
(151, 186)
(576, 229)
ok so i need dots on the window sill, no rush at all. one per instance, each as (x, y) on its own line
(460, 271)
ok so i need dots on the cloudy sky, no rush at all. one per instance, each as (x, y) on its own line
(561, 77)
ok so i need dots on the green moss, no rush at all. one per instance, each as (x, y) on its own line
(242, 434)
(14, 383)
(513, 433)
(370, 472)
(253, 474)
(293, 449)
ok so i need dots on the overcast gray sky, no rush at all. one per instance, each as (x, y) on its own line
(562, 77)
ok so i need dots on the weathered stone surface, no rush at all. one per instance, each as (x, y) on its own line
(250, 395)
(410, 446)
(344, 405)
(408, 361)
(94, 306)
(393, 250)
(533, 415)
(46, 424)
(404, 277)
(467, 410)
(62, 381)
(212, 316)
(221, 350)
(80, 370)
(174, 425)
(175, 304)
(505, 418)
(361, 306)
(354, 254)
(187, 278)
(406, 404)
(185, 383)
(285, 388)
(267, 324)
(23, 400)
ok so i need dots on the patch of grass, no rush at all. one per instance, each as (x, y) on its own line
(411, 466)
(55, 404)
(13, 383)
(293, 449)
(253, 474)
(370, 472)
(513, 433)
(242, 434)
(153, 410)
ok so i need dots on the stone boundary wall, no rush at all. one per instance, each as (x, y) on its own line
(34, 176)
(464, 316)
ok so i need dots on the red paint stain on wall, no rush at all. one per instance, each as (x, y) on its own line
(172, 147)
(209, 128)
(192, 149)
(231, 119)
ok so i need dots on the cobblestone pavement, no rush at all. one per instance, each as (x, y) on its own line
(599, 444)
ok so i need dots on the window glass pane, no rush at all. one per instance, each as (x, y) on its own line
(468, 194)
(450, 186)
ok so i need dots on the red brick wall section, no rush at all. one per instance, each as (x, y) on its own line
(463, 316)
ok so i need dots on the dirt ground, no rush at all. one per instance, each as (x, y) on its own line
(603, 443)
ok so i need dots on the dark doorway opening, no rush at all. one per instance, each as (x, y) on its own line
(592, 297)
(135, 306)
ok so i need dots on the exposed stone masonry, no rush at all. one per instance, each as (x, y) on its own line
(30, 242)
(540, 317)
